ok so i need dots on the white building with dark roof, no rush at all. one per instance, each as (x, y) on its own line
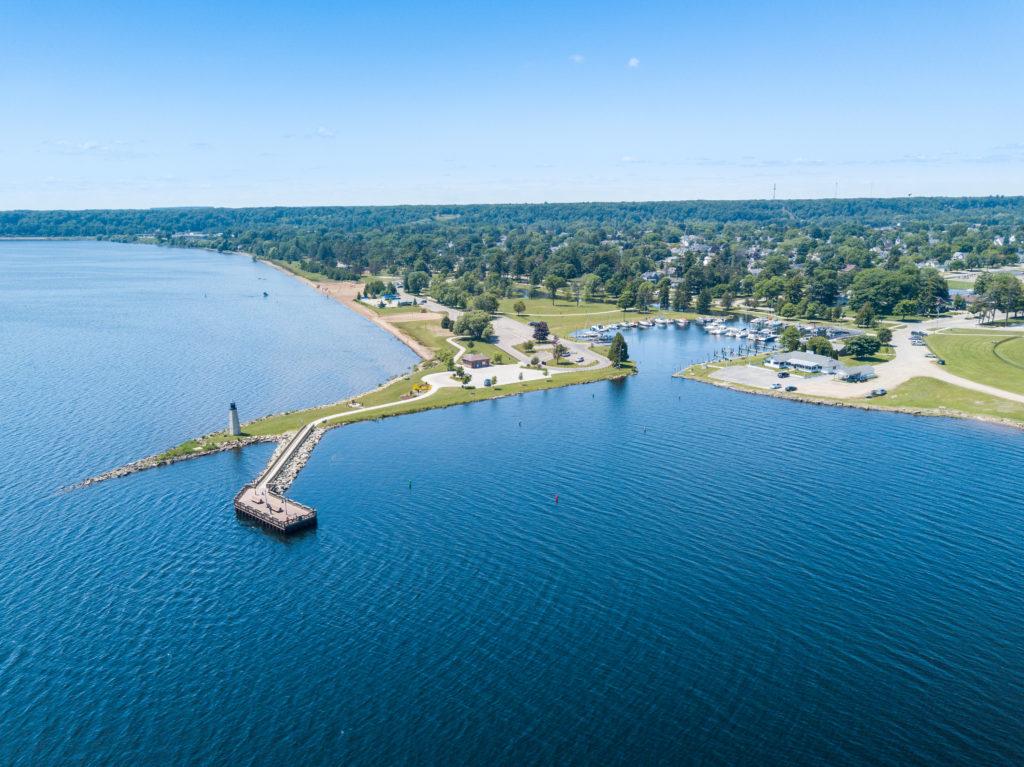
(805, 362)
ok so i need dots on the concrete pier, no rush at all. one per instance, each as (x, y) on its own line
(259, 503)
(273, 511)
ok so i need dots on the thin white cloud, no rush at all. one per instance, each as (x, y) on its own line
(323, 132)
(633, 62)
(78, 147)
(577, 58)
(114, 149)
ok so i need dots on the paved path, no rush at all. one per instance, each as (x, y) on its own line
(511, 332)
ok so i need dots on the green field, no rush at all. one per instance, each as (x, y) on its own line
(564, 316)
(427, 332)
(988, 357)
(294, 268)
(482, 347)
(885, 354)
(941, 397)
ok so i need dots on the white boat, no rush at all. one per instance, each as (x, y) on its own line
(660, 322)
(682, 322)
(646, 324)
(634, 324)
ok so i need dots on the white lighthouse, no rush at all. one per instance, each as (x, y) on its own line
(233, 428)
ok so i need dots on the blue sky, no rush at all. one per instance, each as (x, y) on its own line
(149, 104)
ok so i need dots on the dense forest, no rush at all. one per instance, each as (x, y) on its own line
(805, 257)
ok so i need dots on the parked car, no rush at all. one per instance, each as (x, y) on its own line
(791, 388)
(580, 358)
(776, 386)
(941, 362)
(783, 374)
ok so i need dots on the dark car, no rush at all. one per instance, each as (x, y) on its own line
(783, 374)
(790, 388)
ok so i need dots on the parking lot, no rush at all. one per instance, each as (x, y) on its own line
(748, 375)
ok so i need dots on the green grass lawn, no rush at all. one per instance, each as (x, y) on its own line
(563, 317)
(960, 284)
(482, 347)
(939, 396)
(538, 347)
(427, 332)
(994, 358)
(885, 354)
(294, 268)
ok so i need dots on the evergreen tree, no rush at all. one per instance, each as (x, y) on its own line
(866, 316)
(663, 292)
(680, 299)
(618, 352)
(704, 301)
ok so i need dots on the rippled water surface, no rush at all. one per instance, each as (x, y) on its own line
(725, 578)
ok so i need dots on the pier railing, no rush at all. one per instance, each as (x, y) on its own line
(294, 515)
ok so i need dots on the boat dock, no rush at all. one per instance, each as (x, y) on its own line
(259, 502)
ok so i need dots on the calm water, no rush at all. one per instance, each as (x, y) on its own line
(725, 578)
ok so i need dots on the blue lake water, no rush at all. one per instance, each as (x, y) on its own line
(725, 579)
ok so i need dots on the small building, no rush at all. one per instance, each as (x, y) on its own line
(856, 373)
(805, 362)
(475, 361)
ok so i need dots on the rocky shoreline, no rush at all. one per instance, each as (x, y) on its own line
(287, 475)
(155, 461)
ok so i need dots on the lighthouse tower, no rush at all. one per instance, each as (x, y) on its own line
(233, 428)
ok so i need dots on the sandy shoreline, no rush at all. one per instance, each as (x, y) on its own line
(345, 293)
